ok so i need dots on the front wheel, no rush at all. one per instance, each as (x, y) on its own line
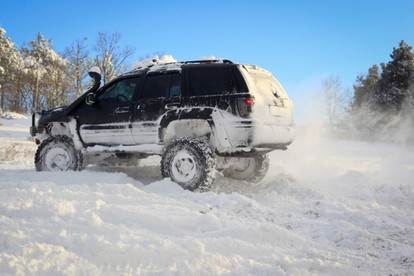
(57, 153)
(251, 169)
(190, 163)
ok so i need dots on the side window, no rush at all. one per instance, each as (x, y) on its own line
(210, 81)
(175, 85)
(162, 86)
(121, 91)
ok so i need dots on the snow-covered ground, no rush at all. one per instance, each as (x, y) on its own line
(326, 207)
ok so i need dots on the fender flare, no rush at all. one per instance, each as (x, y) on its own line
(212, 115)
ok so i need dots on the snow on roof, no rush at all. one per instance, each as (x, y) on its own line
(208, 58)
(256, 69)
(167, 63)
(136, 65)
(166, 67)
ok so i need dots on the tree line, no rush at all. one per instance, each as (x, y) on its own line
(36, 77)
(382, 101)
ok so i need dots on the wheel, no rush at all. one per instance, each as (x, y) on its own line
(251, 169)
(190, 163)
(57, 153)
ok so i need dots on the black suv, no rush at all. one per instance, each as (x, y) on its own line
(200, 116)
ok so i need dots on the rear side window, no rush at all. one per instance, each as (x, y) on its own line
(175, 85)
(162, 86)
(210, 81)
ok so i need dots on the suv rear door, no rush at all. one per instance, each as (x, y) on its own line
(107, 121)
(161, 93)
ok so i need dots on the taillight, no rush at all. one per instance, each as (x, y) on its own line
(245, 107)
(249, 101)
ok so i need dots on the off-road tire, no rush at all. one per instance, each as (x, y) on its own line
(190, 163)
(254, 169)
(58, 153)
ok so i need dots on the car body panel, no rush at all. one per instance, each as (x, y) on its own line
(236, 106)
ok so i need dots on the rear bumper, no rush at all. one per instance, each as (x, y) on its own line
(256, 134)
(272, 136)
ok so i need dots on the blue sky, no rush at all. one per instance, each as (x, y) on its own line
(300, 42)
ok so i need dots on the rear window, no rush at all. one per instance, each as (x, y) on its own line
(264, 82)
(268, 84)
(210, 81)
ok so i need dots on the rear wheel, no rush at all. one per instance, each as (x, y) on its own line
(252, 169)
(57, 153)
(190, 163)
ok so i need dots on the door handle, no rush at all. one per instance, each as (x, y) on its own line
(172, 105)
(121, 110)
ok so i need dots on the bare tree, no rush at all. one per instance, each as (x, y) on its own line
(108, 68)
(333, 100)
(108, 45)
(78, 64)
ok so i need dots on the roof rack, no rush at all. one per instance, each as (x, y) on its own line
(148, 63)
(227, 61)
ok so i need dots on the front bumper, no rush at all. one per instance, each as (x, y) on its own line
(35, 129)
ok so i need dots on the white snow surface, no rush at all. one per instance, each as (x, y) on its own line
(326, 207)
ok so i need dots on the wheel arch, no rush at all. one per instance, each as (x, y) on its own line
(61, 128)
(196, 122)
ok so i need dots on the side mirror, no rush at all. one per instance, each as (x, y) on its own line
(95, 74)
(90, 99)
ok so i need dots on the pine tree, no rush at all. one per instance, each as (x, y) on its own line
(364, 88)
(44, 71)
(393, 89)
(10, 62)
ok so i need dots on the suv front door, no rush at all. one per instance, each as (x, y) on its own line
(161, 93)
(107, 121)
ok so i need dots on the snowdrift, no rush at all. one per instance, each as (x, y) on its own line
(327, 207)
